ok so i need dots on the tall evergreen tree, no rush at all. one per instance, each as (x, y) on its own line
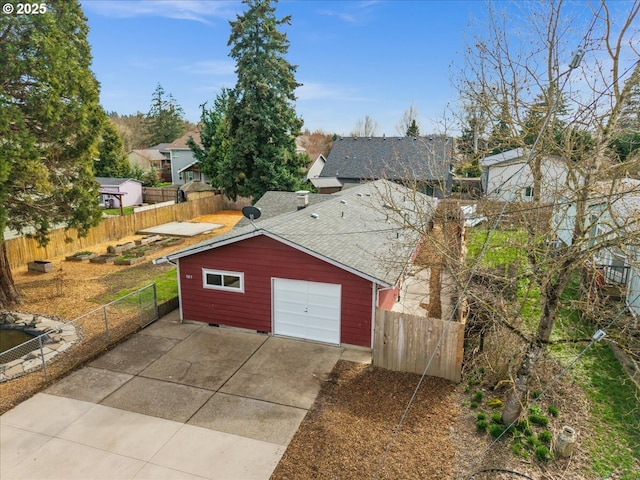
(50, 118)
(262, 120)
(413, 130)
(214, 138)
(112, 160)
(164, 122)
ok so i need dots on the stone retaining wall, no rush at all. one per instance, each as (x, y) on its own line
(57, 337)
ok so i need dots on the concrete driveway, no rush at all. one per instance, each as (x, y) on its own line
(176, 401)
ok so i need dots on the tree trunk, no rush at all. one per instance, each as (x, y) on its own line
(9, 294)
(518, 395)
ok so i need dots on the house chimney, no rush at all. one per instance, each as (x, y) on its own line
(302, 197)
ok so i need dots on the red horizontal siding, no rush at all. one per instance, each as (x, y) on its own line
(387, 297)
(261, 259)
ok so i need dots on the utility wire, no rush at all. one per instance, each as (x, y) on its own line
(573, 65)
(596, 338)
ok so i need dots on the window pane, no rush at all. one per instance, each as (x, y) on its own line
(231, 281)
(214, 279)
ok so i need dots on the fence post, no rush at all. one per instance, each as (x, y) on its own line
(155, 301)
(106, 322)
(44, 362)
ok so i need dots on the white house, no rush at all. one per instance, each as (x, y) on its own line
(116, 192)
(613, 211)
(507, 177)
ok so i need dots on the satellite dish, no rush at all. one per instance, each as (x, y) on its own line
(251, 212)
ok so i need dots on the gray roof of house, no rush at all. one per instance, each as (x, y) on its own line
(393, 158)
(326, 182)
(151, 154)
(363, 230)
(272, 204)
(502, 157)
(114, 182)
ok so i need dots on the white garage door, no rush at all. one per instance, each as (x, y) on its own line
(309, 310)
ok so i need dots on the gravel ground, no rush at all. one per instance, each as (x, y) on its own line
(349, 432)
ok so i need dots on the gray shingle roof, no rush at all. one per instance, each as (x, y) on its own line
(362, 230)
(393, 158)
(502, 157)
(272, 204)
(113, 182)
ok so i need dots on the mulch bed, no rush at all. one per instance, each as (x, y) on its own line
(348, 430)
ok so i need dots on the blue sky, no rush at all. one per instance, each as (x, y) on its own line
(354, 58)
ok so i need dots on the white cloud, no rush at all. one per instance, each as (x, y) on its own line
(211, 67)
(357, 12)
(195, 10)
(317, 91)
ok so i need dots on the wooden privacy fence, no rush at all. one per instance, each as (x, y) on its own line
(23, 250)
(405, 343)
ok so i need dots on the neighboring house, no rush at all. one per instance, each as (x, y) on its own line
(316, 167)
(151, 159)
(315, 273)
(613, 211)
(507, 177)
(423, 161)
(184, 165)
(117, 192)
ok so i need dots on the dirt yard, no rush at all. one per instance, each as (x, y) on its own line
(71, 290)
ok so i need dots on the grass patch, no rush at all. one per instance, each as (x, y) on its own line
(131, 279)
(615, 448)
(116, 211)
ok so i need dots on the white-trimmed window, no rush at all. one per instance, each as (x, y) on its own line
(528, 192)
(223, 280)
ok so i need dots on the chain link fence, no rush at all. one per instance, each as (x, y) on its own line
(79, 339)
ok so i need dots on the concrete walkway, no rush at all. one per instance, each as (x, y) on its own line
(176, 401)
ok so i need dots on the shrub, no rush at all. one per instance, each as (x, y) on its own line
(519, 449)
(535, 410)
(539, 420)
(496, 417)
(482, 425)
(543, 453)
(495, 430)
(494, 403)
(478, 396)
(553, 410)
(545, 437)
(473, 404)
(532, 440)
(481, 416)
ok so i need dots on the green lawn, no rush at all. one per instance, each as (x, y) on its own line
(615, 446)
(116, 211)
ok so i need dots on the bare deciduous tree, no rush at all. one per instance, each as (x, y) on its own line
(365, 127)
(409, 118)
(540, 97)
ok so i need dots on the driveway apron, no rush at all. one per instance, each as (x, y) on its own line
(175, 401)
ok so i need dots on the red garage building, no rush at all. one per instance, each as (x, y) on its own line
(317, 271)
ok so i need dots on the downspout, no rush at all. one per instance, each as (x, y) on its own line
(374, 304)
